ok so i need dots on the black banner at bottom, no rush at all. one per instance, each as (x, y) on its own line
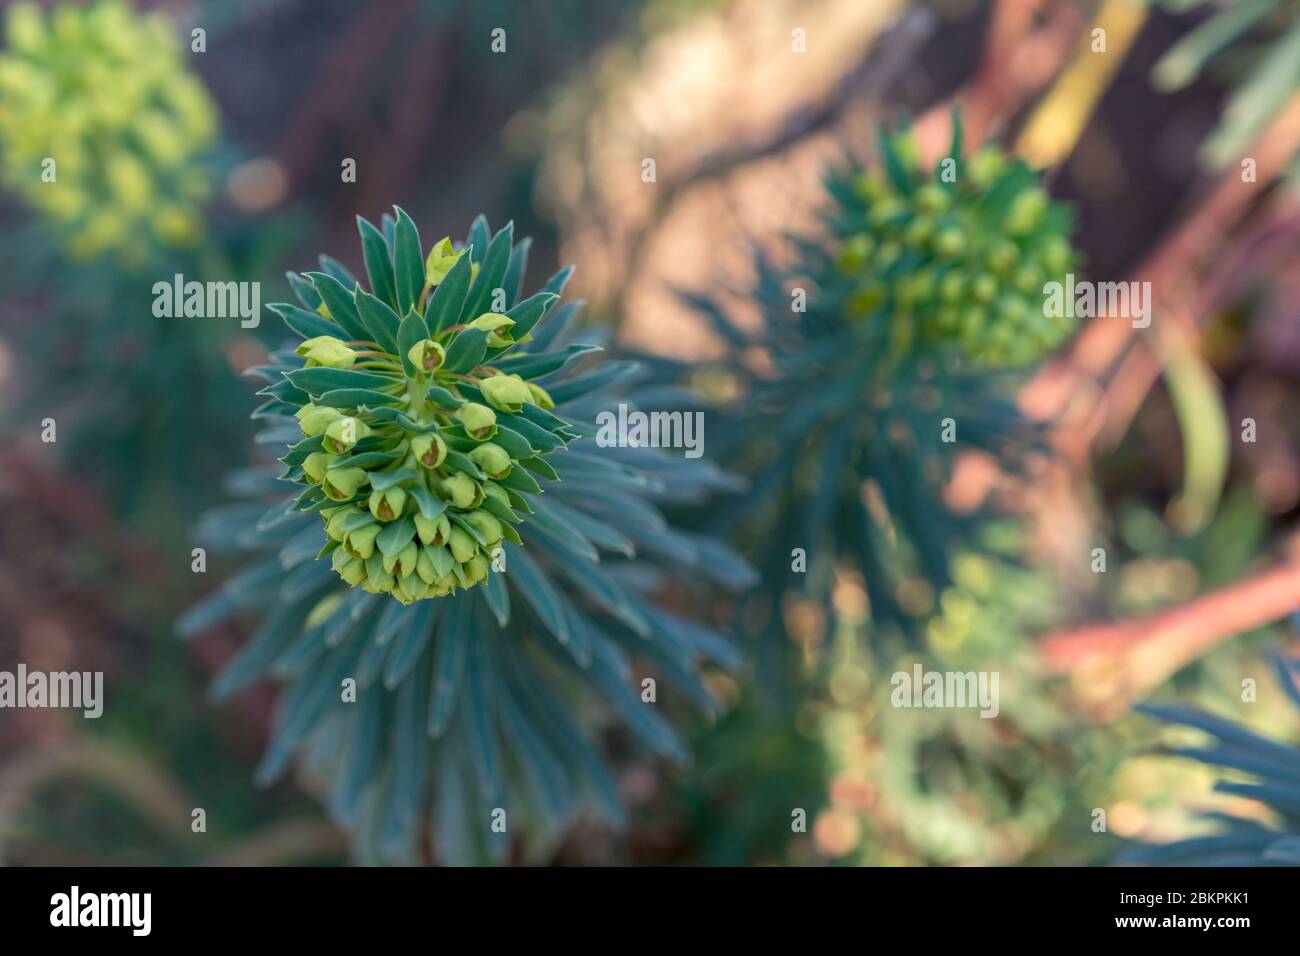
(214, 906)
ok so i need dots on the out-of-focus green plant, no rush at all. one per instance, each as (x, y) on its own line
(947, 785)
(101, 128)
(1258, 41)
(884, 355)
(1262, 772)
(472, 702)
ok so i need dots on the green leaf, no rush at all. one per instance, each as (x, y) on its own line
(408, 263)
(478, 237)
(608, 374)
(555, 285)
(342, 307)
(1185, 59)
(540, 466)
(514, 443)
(379, 266)
(411, 331)
(298, 453)
(485, 746)
(463, 463)
(448, 298)
(406, 652)
(500, 509)
(356, 397)
(338, 270)
(537, 589)
(382, 321)
(490, 275)
(520, 480)
(383, 480)
(443, 398)
(366, 459)
(449, 662)
(304, 290)
(514, 280)
(534, 366)
(529, 312)
(318, 381)
(304, 323)
(430, 506)
(396, 535)
(466, 351)
(497, 596)
(535, 435)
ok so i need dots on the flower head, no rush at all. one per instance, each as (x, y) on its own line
(101, 127)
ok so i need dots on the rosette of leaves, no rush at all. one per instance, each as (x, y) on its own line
(1256, 45)
(101, 127)
(481, 702)
(1262, 770)
(892, 345)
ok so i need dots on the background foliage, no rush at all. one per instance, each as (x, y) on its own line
(1129, 442)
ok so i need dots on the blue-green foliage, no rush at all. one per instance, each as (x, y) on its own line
(490, 698)
(1274, 772)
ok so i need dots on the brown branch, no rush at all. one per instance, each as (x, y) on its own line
(1178, 261)
(1123, 659)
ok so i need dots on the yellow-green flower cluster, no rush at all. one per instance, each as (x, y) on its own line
(958, 257)
(424, 475)
(100, 125)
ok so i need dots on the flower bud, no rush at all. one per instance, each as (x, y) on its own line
(314, 419)
(494, 491)
(433, 531)
(506, 393)
(441, 258)
(485, 524)
(429, 450)
(362, 541)
(334, 524)
(463, 547)
(350, 568)
(541, 398)
(984, 288)
(354, 572)
(1026, 211)
(476, 569)
(498, 328)
(403, 562)
(378, 582)
(1002, 256)
(326, 350)
(426, 355)
(493, 459)
(387, 505)
(461, 490)
(424, 567)
(316, 464)
(480, 421)
(408, 589)
(932, 198)
(949, 242)
(340, 484)
(343, 433)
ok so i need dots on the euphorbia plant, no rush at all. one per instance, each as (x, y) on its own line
(891, 346)
(494, 562)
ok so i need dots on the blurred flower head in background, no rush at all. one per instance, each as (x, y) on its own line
(101, 127)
